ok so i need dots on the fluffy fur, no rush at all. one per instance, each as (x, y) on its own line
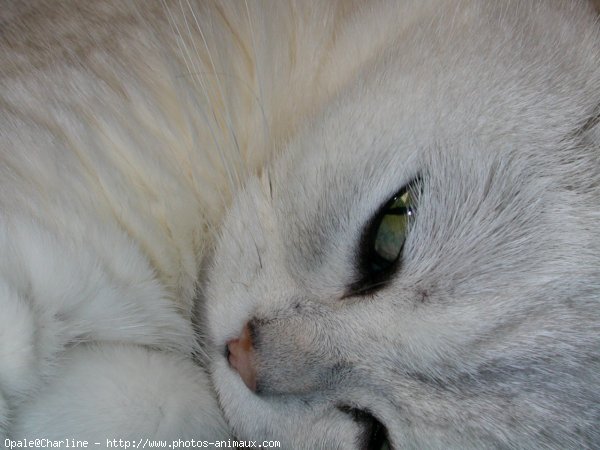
(134, 135)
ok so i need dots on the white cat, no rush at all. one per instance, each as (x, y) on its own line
(379, 218)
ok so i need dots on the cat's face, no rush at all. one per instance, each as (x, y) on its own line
(481, 333)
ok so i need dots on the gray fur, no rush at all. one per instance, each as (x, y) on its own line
(488, 334)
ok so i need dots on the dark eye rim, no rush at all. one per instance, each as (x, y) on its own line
(368, 279)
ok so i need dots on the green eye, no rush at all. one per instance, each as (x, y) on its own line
(386, 234)
(383, 239)
(393, 226)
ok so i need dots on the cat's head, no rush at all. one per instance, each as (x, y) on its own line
(421, 264)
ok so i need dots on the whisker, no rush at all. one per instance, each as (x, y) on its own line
(199, 82)
(221, 93)
(266, 127)
(196, 81)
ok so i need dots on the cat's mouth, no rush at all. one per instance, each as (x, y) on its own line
(375, 436)
(239, 353)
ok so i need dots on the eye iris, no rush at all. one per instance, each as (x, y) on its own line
(391, 233)
(390, 236)
(383, 240)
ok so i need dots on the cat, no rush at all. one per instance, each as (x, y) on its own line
(331, 224)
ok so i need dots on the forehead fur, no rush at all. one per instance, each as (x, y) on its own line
(420, 109)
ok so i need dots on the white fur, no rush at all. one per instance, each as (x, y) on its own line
(122, 392)
(169, 162)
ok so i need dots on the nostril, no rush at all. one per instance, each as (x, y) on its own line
(240, 354)
(227, 352)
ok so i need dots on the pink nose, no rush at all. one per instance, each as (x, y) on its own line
(241, 357)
